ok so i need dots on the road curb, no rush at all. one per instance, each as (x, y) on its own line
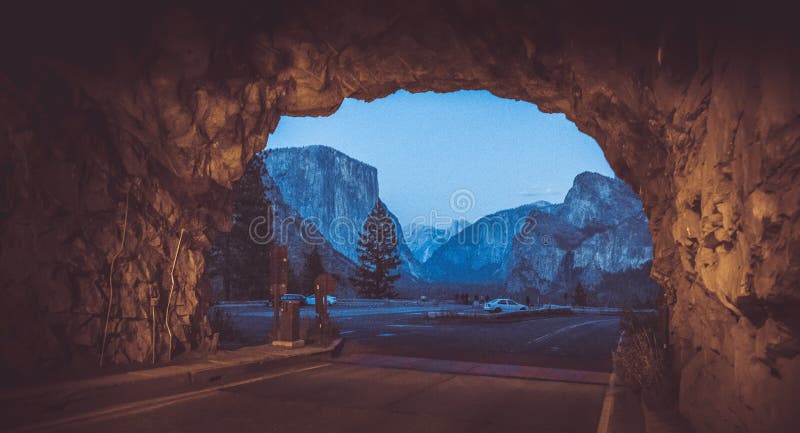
(468, 368)
(621, 411)
(488, 317)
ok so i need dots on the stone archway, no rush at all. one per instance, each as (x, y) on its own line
(157, 111)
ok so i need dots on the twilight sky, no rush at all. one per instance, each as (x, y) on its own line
(462, 154)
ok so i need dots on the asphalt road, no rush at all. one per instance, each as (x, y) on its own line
(338, 397)
(401, 371)
(581, 341)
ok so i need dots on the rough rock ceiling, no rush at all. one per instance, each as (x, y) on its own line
(156, 110)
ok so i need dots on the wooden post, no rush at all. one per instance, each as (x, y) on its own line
(324, 285)
(279, 277)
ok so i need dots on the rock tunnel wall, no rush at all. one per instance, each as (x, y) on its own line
(156, 111)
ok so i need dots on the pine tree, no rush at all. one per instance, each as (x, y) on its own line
(242, 260)
(377, 255)
(581, 297)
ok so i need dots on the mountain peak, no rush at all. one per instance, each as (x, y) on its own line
(588, 178)
(597, 199)
(320, 151)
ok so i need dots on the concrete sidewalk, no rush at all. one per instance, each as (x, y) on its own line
(621, 411)
(24, 405)
(476, 368)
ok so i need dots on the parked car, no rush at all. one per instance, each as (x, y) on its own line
(293, 297)
(503, 305)
(312, 300)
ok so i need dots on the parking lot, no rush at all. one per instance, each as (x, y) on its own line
(581, 341)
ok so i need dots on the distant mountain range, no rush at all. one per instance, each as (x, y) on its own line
(598, 237)
(423, 239)
(478, 253)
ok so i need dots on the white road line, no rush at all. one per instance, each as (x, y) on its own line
(568, 328)
(608, 406)
(152, 404)
(410, 326)
(346, 332)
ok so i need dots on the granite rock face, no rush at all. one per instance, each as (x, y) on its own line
(292, 229)
(327, 187)
(597, 238)
(335, 193)
(696, 107)
(596, 202)
(544, 250)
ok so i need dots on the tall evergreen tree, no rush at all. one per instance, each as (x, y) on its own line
(241, 257)
(377, 255)
(581, 297)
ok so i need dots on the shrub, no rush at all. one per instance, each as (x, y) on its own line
(641, 358)
(224, 322)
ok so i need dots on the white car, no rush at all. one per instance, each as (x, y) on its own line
(503, 305)
(312, 300)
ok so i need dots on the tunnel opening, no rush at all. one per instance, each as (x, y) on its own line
(160, 119)
(560, 239)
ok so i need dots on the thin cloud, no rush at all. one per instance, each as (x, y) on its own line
(539, 191)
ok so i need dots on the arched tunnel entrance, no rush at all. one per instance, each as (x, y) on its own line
(136, 122)
(490, 199)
